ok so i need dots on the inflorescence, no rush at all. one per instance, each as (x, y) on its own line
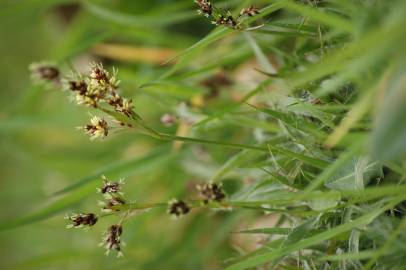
(97, 89)
(94, 88)
(115, 203)
(224, 17)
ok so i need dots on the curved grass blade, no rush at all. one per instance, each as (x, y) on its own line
(332, 169)
(234, 162)
(316, 162)
(87, 185)
(348, 256)
(216, 34)
(332, 20)
(155, 157)
(50, 210)
(137, 20)
(281, 231)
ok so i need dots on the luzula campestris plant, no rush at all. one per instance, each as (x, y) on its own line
(100, 90)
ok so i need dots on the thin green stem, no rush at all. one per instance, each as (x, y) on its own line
(137, 122)
(203, 141)
(286, 201)
(318, 163)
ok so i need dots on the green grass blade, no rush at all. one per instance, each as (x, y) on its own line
(137, 164)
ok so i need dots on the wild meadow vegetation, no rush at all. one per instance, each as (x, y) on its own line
(250, 134)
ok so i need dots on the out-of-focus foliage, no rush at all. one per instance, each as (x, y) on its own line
(321, 85)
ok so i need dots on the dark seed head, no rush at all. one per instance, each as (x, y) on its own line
(98, 128)
(178, 208)
(211, 192)
(112, 239)
(80, 220)
(98, 73)
(49, 73)
(78, 86)
(45, 72)
(110, 187)
(250, 11)
(205, 7)
(228, 21)
(115, 100)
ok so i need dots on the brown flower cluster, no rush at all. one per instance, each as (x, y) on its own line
(98, 128)
(45, 72)
(224, 17)
(100, 86)
(249, 11)
(226, 20)
(177, 208)
(110, 187)
(205, 7)
(209, 192)
(112, 239)
(111, 191)
(97, 88)
(112, 194)
(81, 220)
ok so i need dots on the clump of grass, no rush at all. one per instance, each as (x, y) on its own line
(304, 127)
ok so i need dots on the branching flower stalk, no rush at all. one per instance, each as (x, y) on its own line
(211, 197)
(114, 203)
(99, 90)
